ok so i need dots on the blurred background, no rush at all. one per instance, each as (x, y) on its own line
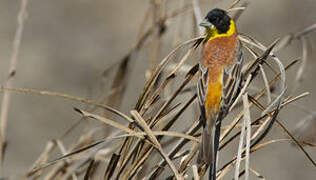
(67, 45)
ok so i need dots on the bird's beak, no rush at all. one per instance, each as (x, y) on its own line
(205, 23)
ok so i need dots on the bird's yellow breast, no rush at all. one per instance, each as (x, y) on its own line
(214, 94)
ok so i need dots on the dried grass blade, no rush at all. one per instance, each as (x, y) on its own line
(155, 119)
(298, 35)
(289, 134)
(43, 157)
(242, 91)
(83, 160)
(112, 165)
(282, 85)
(286, 40)
(197, 15)
(251, 41)
(150, 83)
(167, 80)
(255, 55)
(266, 83)
(239, 10)
(105, 120)
(238, 117)
(239, 152)
(277, 101)
(156, 172)
(296, 142)
(159, 133)
(247, 120)
(66, 96)
(156, 93)
(66, 156)
(182, 154)
(267, 52)
(195, 172)
(305, 130)
(117, 90)
(89, 170)
(183, 59)
(301, 69)
(149, 132)
(305, 31)
(269, 126)
(233, 4)
(295, 98)
(259, 176)
(225, 169)
(22, 14)
(253, 68)
(262, 145)
(136, 165)
(188, 78)
(64, 152)
(261, 127)
(188, 158)
(236, 9)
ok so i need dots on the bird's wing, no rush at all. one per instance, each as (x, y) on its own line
(232, 79)
(201, 91)
(206, 152)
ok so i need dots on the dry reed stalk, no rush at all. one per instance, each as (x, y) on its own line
(22, 14)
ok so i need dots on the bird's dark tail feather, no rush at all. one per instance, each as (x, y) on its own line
(212, 170)
(206, 147)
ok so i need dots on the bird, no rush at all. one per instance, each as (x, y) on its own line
(219, 80)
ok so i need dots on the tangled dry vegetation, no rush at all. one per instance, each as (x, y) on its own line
(149, 147)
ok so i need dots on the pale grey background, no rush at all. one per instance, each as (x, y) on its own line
(66, 45)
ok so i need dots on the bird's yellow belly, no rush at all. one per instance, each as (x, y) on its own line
(213, 96)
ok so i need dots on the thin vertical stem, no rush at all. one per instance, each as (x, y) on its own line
(12, 71)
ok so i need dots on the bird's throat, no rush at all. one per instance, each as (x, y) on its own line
(212, 33)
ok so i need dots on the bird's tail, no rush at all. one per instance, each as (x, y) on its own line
(206, 153)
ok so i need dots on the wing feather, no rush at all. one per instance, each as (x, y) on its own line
(232, 82)
(201, 89)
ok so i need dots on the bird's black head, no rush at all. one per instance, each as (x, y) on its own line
(219, 19)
